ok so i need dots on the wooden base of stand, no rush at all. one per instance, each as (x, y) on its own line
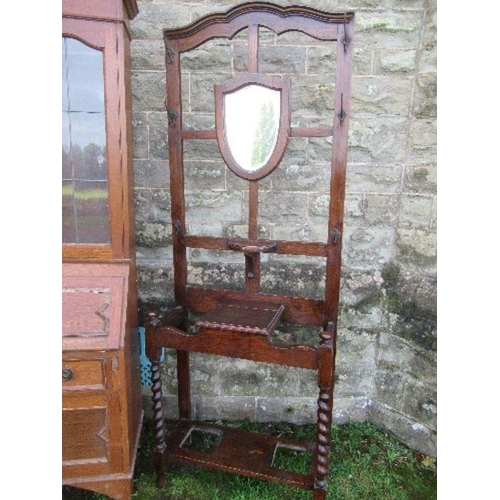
(239, 452)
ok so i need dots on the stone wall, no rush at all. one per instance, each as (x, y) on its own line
(387, 328)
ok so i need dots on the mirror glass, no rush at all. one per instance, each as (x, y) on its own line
(252, 115)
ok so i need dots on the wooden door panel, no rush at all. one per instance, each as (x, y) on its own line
(91, 435)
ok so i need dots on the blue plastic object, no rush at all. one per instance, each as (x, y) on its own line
(145, 363)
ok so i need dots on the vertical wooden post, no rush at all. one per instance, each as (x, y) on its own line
(175, 150)
(338, 169)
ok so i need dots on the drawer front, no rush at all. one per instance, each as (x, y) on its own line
(90, 435)
(78, 374)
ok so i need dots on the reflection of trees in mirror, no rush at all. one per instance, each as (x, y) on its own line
(85, 207)
(265, 136)
(87, 163)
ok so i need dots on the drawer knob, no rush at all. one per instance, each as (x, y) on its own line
(67, 374)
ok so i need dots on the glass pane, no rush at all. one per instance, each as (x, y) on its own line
(91, 207)
(88, 147)
(85, 201)
(85, 77)
(251, 117)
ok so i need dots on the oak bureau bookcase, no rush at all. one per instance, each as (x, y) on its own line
(101, 392)
(252, 130)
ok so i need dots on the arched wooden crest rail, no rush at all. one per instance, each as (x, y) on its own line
(238, 323)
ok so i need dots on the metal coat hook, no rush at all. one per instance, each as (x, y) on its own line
(342, 113)
(345, 40)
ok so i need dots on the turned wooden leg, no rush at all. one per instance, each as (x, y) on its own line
(159, 427)
(325, 406)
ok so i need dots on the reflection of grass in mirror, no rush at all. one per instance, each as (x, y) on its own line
(85, 195)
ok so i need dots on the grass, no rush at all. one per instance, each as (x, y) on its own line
(366, 463)
(87, 194)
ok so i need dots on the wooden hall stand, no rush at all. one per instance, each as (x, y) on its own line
(101, 389)
(239, 323)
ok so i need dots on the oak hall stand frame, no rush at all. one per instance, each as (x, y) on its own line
(238, 323)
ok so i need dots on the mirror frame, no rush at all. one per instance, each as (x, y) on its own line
(274, 83)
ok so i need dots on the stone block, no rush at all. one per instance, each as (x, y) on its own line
(380, 210)
(221, 275)
(350, 409)
(282, 208)
(140, 135)
(414, 434)
(294, 177)
(381, 96)
(158, 141)
(367, 248)
(147, 54)
(425, 99)
(388, 28)
(155, 283)
(281, 276)
(362, 61)
(377, 139)
(212, 56)
(294, 410)
(395, 61)
(353, 210)
(417, 248)
(428, 53)
(295, 153)
(299, 232)
(421, 179)
(407, 395)
(284, 60)
(423, 141)
(355, 363)
(416, 211)
(199, 149)
(200, 255)
(401, 355)
(214, 205)
(383, 179)
(359, 289)
(366, 318)
(148, 91)
(198, 121)
(321, 60)
(202, 98)
(151, 174)
(319, 149)
(153, 234)
(152, 205)
(153, 18)
(239, 377)
(312, 95)
(200, 175)
(224, 408)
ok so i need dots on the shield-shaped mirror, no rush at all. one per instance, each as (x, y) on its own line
(253, 123)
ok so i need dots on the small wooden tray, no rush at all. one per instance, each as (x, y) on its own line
(244, 318)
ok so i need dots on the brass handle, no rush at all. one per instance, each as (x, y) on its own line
(67, 374)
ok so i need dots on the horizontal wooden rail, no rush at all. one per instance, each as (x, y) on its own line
(190, 134)
(309, 248)
(255, 347)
